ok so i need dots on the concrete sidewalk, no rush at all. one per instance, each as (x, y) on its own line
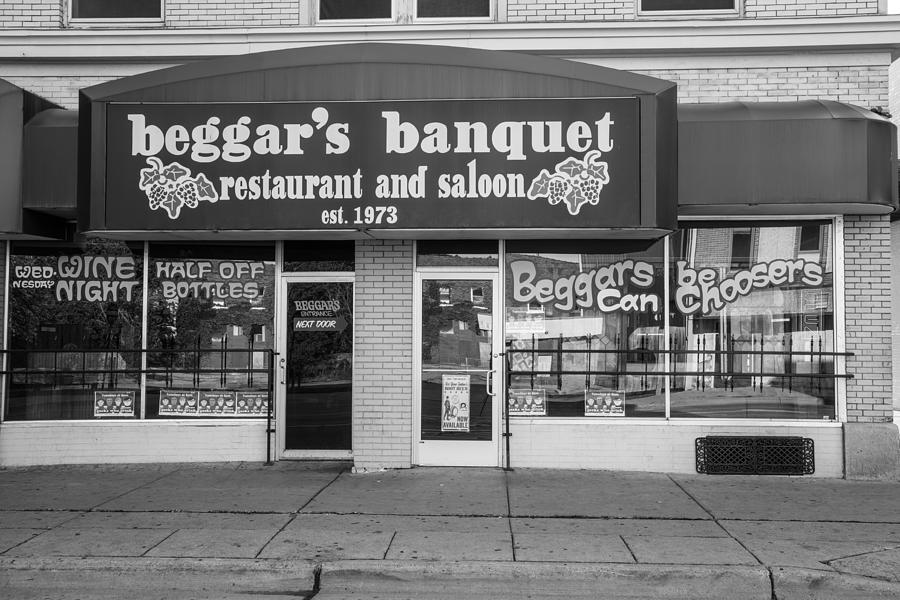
(302, 529)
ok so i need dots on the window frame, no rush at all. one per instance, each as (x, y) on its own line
(490, 18)
(736, 11)
(403, 11)
(73, 21)
(836, 256)
(316, 18)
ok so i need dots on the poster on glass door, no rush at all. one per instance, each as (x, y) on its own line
(455, 402)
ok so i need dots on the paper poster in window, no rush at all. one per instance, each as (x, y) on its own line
(604, 403)
(455, 402)
(528, 402)
(114, 404)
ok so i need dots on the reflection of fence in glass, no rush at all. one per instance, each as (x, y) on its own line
(572, 365)
(802, 362)
(60, 384)
(793, 374)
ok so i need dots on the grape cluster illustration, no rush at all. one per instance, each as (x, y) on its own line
(171, 187)
(575, 182)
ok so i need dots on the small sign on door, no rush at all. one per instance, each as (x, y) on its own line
(455, 402)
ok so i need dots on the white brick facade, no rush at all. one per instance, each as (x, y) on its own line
(623, 10)
(31, 14)
(227, 13)
(384, 381)
(382, 364)
(867, 280)
(763, 9)
(865, 85)
(605, 10)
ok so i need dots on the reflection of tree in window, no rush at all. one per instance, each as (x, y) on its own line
(443, 323)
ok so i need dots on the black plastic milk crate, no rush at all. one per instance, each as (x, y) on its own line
(777, 455)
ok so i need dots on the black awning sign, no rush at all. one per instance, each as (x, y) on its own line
(510, 163)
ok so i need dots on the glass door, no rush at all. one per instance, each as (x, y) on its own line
(459, 393)
(317, 367)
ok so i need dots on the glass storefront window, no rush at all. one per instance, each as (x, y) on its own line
(752, 322)
(210, 325)
(584, 327)
(74, 331)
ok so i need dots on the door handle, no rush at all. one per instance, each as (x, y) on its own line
(490, 383)
(281, 364)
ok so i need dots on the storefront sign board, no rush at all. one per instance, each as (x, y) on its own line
(455, 394)
(423, 164)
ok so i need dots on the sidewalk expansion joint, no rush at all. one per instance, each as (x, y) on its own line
(716, 521)
(630, 551)
(324, 487)
(317, 582)
(772, 583)
(831, 560)
(274, 535)
(386, 550)
(157, 544)
(143, 485)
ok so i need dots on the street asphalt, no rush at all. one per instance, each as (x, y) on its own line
(303, 529)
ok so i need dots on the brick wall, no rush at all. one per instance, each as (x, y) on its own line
(547, 10)
(864, 85)
(232, 13)
(382, 363)
(867, 277)
(31, 14)
(618, 10)
(60, 90)
(760, 9)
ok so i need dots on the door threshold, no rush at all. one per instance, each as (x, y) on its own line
(316, 455)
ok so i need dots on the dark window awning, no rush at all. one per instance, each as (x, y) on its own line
(793, 158)
(22, 164)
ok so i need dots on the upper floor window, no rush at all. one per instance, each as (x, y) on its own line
(355, 10)
(665, 7)
(131, 10)
(349, 10)
(452, 9)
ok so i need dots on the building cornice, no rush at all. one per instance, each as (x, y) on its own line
(639, 38)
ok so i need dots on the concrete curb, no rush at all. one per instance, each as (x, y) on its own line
(165, 577)
(791, 583)
(422, 579)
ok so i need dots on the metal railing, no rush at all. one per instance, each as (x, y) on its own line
(202, 369)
